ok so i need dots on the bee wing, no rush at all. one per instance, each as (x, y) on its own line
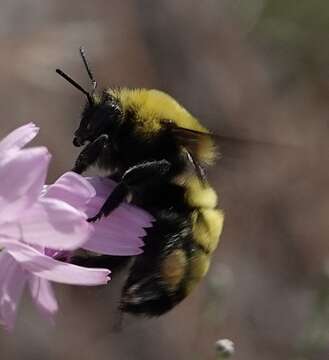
(191, 138)
(196, 145)
(230, 147)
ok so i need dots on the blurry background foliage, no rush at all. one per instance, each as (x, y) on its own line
(255, 70)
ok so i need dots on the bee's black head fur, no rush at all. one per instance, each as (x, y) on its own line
(100, 116)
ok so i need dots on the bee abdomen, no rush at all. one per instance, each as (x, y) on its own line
(173, 268)
(206, 219)
(177, 253)
(207, 226)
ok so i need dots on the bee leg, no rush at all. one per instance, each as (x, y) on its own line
(90, 153)
(114, 200)
(199, 170)
(144, 173)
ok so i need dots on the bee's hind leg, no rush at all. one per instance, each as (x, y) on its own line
(141, 174)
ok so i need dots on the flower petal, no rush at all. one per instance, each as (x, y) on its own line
(127, 213)
(43, 296)
(48, 268)
(120, 233)
(50, 223)
(19, 137)
(22, 176)
(12, 282)
(120, 220)
(110, 246)
(73, 189)
(103, 186)
(114, 236)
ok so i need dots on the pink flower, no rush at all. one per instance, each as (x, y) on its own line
(45, 222)
(40, 226)
(118, 234)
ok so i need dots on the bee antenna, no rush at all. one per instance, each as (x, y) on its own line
(75, 84)
(90, 74)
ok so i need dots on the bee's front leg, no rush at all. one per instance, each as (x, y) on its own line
(141, 174)
(90, 154)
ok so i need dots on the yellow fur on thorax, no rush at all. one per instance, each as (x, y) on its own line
(152, 107)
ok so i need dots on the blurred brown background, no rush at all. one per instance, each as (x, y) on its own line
(256, 70)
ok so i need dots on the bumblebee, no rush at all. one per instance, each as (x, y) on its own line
(156, 151)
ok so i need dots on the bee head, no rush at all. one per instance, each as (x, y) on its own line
(99, 110)
(98, 117)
